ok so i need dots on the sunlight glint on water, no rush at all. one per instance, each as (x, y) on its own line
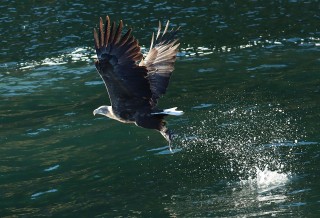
(86, 54)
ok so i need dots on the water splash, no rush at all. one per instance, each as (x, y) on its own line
(245, 140)
(266, 180)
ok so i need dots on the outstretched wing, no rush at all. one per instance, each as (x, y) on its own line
(117, 56)
(160, 60)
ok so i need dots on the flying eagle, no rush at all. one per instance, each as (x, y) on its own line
(134, 83)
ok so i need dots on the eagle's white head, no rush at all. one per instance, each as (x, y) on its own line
(104, 110)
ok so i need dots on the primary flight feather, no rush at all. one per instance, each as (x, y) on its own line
(134, 83)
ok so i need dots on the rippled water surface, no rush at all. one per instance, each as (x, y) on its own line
(247, 77)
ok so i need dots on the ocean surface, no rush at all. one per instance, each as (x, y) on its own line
(247, 76)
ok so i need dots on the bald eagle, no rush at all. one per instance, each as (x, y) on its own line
(134, 83)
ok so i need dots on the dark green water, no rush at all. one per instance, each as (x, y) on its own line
(247, 78)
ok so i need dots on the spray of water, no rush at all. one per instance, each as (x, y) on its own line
(253, 144)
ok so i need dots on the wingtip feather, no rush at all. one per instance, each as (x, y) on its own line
(107, 30)
(159, 30)
(152, 40)
(118, 33)
(101, 32)
(166, 28)
(96, 39)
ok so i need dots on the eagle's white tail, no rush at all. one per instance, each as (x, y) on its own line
(170, 111)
